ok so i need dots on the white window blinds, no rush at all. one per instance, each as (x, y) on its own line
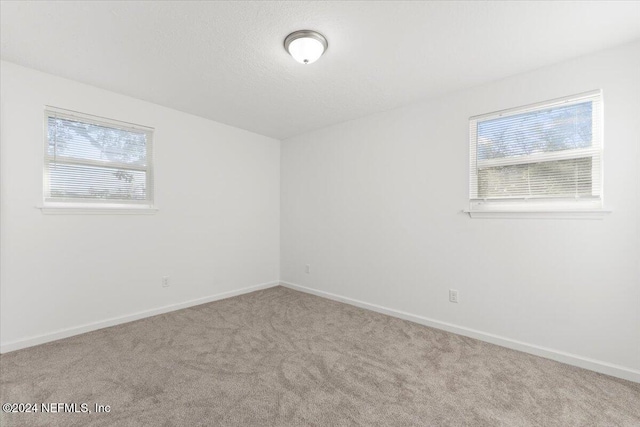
(94, 160)
(550, 152)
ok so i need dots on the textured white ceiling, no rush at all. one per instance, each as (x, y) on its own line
(225, 60)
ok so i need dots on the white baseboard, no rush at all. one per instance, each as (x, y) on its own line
(76, 330)
(560, 356)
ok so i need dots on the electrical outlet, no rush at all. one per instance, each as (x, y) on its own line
(165, 282)
(308, 269)
(453, 295)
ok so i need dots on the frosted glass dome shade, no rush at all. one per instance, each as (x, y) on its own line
(305, 46)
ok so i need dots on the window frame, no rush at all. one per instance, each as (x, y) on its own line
(59, 205)
(540, 207)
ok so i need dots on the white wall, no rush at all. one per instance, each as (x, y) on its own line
(373, 205)
(217, 229)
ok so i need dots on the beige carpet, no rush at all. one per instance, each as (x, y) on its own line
(279, 357)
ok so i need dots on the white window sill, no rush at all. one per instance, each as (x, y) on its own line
(96, 210)
(539, 214)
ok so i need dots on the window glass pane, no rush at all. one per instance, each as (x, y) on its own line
(562, 178)
(553, 129)
(87, 141)
(90, 182)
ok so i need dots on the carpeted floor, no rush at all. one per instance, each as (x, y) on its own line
(279, 357)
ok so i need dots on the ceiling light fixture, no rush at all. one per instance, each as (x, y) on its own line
(305, 46)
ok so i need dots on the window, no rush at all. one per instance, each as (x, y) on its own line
(96, 162)
(538, 158)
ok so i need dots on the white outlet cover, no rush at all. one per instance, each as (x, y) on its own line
(453, 295)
